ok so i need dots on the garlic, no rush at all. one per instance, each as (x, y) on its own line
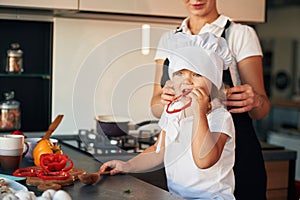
(60, 194)
(8, 196)
(48, 194)
(26, 195)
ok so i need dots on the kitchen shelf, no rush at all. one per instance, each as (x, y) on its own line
(32, 87)
(43, 76)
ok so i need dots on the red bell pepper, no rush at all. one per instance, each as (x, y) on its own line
(28, 171)
(184, 94)
(55, 162)
(58, 175)
(54, 167)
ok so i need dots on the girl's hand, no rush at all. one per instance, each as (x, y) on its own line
(201, 101)
(115, 167)
(242, 99)
(168, 93)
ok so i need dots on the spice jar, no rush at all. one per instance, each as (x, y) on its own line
(14, 62)
(10, 114)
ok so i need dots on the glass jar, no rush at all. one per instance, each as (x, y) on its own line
(10, 114)
(14, 62)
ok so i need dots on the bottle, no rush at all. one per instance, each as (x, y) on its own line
(10, 114)
(14, 62)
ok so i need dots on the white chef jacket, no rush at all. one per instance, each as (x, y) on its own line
(184, 178)
(242, 40)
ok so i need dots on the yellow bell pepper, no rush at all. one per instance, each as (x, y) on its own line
(42, 147)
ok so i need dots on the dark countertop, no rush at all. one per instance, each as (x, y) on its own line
(113, 187)
(109, 187)
(270, 152)
(273, 152)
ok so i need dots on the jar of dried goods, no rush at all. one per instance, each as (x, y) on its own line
(10, 114)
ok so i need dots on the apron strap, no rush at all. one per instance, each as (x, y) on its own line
(165, 75)
(226, 73)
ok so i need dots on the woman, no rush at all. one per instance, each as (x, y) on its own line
(246, 99)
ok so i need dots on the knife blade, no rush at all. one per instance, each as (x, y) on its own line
(13, 178)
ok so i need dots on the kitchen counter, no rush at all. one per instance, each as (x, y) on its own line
(280, 166)
(274, 152)
(109, 187)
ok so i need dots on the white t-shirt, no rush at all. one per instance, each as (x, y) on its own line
(184, 178)
(241, 39)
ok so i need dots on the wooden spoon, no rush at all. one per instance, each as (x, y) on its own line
(52, 127)
(92, 178)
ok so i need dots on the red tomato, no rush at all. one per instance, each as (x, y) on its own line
(17, 132)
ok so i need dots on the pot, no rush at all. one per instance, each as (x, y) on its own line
(112, 126)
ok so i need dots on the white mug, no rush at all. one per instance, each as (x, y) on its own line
(12, 150)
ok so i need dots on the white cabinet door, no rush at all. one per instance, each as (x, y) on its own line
(46, 4)
(172, 8)
(243, 10)
(237, 10)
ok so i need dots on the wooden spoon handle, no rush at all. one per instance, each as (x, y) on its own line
(53, 126)
(103, 173)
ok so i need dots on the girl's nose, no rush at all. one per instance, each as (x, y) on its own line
(187, 78)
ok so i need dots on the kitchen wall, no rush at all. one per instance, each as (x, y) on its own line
(280, 22)
(280, 36)
(99, 69)
(281, 29)
(94, 60)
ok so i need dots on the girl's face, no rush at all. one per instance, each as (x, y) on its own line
(201, 8)
(186, 79)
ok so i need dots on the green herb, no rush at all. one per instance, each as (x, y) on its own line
(127, 191)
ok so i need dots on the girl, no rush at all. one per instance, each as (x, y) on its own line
(197, 140)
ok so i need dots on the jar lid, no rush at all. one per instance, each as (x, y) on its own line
(15, 50)
(9, 102)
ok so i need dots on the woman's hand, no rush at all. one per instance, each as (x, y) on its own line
(168, 93)
(251, 96)
(242, 98)
(115, 167)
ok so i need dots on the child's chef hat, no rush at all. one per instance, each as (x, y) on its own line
(204, 54)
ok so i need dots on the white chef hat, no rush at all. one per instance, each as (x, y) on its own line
(204, 54)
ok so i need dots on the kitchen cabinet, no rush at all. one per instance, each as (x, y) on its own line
(44, 4)
(32, 87)
(238, 10)
(289, 140)
(280, 167)
(278, 179)
(168, 8)
(244, 10)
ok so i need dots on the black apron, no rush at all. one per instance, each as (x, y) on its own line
(249, 170)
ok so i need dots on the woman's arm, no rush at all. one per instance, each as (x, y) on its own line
(251, 95)
(161, 96)
(156, 105)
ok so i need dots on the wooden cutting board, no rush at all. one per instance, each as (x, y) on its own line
(36, 181)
